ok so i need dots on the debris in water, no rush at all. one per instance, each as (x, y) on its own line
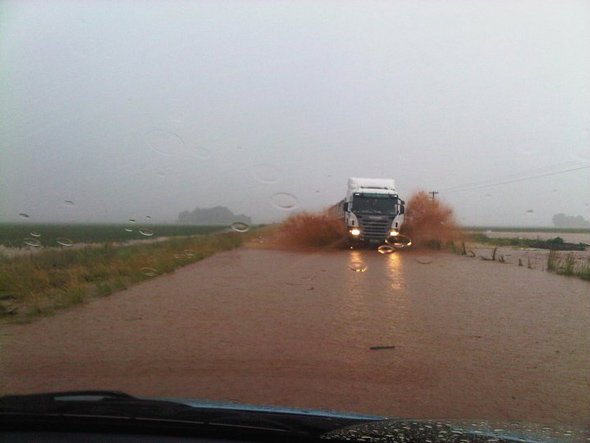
(424, 260)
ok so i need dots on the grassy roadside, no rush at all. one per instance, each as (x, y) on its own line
(526, 229)
(563, 263)
(40, 284)
(18, 235)
(556, 243)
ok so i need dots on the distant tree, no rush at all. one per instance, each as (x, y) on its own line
(218, 215)
(569, 221)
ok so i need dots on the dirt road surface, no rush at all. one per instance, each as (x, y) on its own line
(465, 338)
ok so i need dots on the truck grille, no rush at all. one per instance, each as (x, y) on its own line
(374, 227)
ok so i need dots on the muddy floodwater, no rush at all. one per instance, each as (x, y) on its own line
(413, 334)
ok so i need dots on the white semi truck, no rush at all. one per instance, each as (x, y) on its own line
(372, 211)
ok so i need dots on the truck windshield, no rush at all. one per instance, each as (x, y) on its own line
(381, 205)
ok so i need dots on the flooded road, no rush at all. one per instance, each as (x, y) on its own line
(453, 337)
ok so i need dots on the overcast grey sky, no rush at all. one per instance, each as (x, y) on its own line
(133, 108)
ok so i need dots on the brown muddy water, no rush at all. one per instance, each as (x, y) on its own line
(411, 334)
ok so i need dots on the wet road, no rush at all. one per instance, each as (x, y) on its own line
(466, 338)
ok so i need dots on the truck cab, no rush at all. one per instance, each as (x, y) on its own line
(372, 210)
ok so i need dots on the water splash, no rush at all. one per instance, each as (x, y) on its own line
(427, 220)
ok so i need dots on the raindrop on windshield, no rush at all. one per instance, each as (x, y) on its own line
(385, 249)
(69, 203)
(423, 260)
(129, 228)
(149, 272)
(284, 200)
(240, 227)
(400, 241)
(146, 232)
(266, 173)
(23, 215)
(530, 211)
(357, 266)
(165, 142)
(64, 241)
(32, 242)
(200, 152)
(35, 234)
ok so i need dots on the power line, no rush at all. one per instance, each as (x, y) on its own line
(472, 186)
(532, 172)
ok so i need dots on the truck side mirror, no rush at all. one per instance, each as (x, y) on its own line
(402, 209)
(345, 206)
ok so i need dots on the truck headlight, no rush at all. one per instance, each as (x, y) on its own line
(393, 233)
(355, 231)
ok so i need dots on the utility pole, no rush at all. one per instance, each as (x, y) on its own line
(433, 193)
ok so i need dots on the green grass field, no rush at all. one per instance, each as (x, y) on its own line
(39, 284)
(525, 229)
(18, 235)
(556, 243)
(565, 264)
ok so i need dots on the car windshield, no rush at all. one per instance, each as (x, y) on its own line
(178, 216)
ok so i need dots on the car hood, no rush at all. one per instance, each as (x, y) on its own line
(325, 424)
